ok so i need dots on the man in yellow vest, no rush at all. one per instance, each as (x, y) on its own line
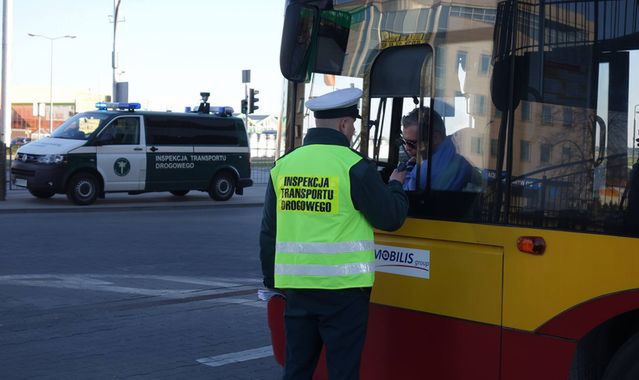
(322, 202)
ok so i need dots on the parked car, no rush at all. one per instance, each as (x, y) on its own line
(20, 140)
(120, 149)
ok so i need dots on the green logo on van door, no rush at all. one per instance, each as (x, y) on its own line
(122, 166)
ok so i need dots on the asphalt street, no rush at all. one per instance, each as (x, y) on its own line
(149, 293)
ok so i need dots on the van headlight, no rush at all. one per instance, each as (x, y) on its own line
(51, 159)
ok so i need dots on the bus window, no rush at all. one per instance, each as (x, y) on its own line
(574, 148)
(451, 180)
(447, 152)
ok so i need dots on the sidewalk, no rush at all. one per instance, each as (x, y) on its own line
(20, 201)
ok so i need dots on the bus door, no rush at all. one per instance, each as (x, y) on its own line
(444, 288)
(121, 156)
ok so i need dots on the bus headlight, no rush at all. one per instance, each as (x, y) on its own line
(51, 159)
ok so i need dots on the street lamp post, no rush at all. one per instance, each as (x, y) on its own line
(51, 39)
(114, 57)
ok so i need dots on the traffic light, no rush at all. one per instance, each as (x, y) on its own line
(253, 100)
(244, 106)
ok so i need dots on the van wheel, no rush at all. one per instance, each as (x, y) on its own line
(42, 194)
(179, 193)
(83, 189)
(624, 364)
(222, 187)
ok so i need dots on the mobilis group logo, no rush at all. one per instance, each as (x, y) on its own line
(402, 261)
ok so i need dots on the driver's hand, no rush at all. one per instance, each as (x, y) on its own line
(397, 176)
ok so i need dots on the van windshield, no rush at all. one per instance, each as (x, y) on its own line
(80, 126)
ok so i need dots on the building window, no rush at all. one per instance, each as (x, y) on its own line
(440, 71)
(461, 60)
(566, 154)
(475, 145)
(524, 150)
(525, 111)
(480, 105)
(546, 115)
(493, 147)
(484, 64)
(477, 14)
(567, 119)
(545, 152)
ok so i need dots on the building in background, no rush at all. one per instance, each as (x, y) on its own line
(30, 109)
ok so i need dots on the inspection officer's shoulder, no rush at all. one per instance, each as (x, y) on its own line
(285, 155)
(363, 167)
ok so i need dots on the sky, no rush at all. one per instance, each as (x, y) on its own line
(169, 51)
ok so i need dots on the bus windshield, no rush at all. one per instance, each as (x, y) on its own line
(80, 126)
(555, 147)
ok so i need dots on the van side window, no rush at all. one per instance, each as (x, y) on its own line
(122, 131)
(190, 130)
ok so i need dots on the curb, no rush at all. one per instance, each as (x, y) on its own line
(85, 209)
(21, 202)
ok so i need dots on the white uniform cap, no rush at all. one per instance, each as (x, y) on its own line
(336, 104)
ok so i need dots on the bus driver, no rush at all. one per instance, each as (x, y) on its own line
(450, 171)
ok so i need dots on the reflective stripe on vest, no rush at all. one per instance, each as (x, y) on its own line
(322, 241)
(324, 270)
(337, 247)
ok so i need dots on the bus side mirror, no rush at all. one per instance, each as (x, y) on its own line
(300, 30)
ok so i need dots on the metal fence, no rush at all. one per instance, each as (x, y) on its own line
(9, 154)
(263, 148)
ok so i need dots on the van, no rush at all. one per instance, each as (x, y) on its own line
(124, 150)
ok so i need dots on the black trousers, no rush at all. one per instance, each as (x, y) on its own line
(335, 318)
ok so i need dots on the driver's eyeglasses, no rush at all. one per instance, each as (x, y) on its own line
(410, 143)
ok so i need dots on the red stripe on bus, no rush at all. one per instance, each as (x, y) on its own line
(405, 344)
(577, 321)
(275, 315)
(528, 356)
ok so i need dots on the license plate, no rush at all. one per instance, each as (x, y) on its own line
(21, 182)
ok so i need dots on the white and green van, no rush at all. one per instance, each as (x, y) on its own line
(123, 150)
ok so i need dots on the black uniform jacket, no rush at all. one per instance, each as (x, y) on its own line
(384, 206)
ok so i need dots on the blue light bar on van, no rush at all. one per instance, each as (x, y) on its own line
(222, 111)
(103, 106)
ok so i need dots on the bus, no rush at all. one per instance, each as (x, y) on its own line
(531, 270)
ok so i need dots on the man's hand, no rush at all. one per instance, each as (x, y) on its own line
(398, 176)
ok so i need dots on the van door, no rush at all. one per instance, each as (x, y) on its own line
(121, 154)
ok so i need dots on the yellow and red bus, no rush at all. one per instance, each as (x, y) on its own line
(531, 270)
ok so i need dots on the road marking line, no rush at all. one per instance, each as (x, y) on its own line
(239, 301)
(210, 281)
(97, 282)
(237, 357)
(180, 279)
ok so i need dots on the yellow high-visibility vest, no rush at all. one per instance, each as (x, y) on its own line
(322, 241)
